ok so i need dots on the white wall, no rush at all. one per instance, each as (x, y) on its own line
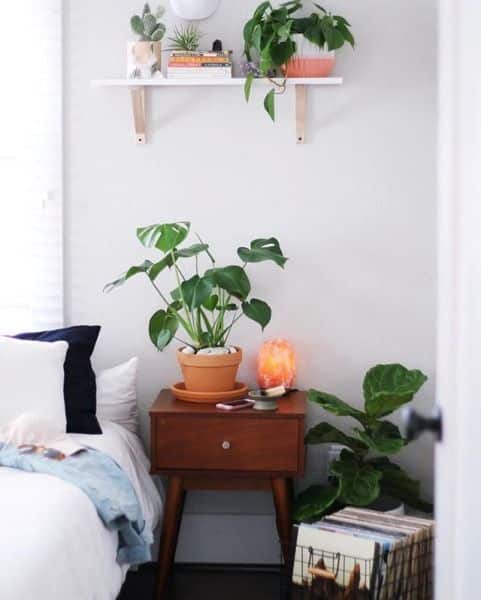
(354, 208)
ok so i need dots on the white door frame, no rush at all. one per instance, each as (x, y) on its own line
(458, 457)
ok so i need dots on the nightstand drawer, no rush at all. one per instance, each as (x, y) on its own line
(231, 444)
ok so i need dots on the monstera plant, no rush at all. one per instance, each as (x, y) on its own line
(206, 303)
(363, 472)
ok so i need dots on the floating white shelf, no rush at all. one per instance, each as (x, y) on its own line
(137, 88)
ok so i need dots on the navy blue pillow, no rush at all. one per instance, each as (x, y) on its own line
(80, 389)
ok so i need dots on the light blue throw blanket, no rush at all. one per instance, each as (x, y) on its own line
(107, 486)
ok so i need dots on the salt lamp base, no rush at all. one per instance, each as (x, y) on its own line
(267, 404)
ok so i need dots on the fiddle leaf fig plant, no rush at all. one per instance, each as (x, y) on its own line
(206, 305)
(357, 478)
(270, 41)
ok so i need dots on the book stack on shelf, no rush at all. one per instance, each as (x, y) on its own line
(364, 554)
(197, 65)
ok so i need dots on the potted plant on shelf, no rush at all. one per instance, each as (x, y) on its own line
(144, 56)
(356, 477)
(206, 305)
(186, 38)
(277, 42)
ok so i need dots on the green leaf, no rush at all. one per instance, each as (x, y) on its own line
(196, 290)
(336, 406)
(344, 31)
(314, 501)
(396, 483)
(281, 52)
(284, 31)
(269, 104)
(257, 310)
(162, 328)
(262, 249)
(158, 267)
(320, 8)
(164, 237)
(324, 433)
(228, 307)
(211, 302)
(256, 37)
(137, 25)
(191, 250)
(359, 483)
(159, 33)
(261, 9)
(135, 270)
(248, 86)
(232, 279)
(383, 437)
(334, 39)
(387, 387)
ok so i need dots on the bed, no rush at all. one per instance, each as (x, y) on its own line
(54, 545)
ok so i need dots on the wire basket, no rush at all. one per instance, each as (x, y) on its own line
(399, 574)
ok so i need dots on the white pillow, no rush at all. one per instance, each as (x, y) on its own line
(31, 380)
(116, 395)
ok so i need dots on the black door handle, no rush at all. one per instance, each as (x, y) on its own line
(416, 424)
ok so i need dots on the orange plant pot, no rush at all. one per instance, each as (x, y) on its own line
(310, 66)
(204, 373)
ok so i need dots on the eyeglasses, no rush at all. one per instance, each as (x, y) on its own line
(42, 451)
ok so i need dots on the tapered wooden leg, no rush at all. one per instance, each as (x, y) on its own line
(282, 493)
(174, 503)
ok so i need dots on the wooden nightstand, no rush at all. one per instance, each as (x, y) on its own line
(199, 447)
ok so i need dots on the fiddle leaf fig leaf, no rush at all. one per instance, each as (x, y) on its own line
(257, 310)
(382, 436)
(164, 237)
(324, 433)
(162, 328)
(336, 406)
(135, 270)
(232, 279)
(387, 387)
(359, 483)
(262, 249)
(396, 482)
(196, 290)
(314, 501)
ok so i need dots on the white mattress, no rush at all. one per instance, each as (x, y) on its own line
(53, 545)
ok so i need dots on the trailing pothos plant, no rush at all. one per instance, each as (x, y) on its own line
(358, 477)
(269, 41)
(206, 305)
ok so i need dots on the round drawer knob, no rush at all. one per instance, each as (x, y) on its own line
(226, 445)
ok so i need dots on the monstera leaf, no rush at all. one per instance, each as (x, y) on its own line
(257, 310)
(359, 482)
(232, 279)
(135, 270)
(324, 433)
(383, 437)
(263, 249)
(196, 290)
(335, 406)
(387, 387)
(164, 237)
(162, 328)
(314, 501)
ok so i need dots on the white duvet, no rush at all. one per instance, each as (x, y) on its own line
(53, 545)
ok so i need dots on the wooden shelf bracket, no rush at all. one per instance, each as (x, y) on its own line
(138, 109)
(300, 113)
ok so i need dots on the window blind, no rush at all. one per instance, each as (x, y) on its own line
(31, 238)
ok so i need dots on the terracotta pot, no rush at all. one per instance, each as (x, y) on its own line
(309, 60)
(144, 60)
(209, 373)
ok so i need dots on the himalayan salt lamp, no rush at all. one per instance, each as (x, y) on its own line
(276, 364)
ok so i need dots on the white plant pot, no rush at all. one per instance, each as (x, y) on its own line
(144, 60)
